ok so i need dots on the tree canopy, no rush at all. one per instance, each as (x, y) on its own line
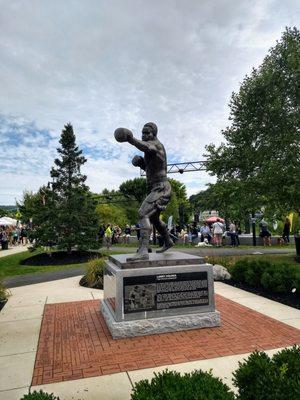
(135, 188)
(259, 164)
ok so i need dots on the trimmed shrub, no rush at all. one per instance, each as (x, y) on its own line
(253, 377)
(279, 278)
(287, 362)
(275, 278)
(255, 270)
(169, 385)
(94, 273)
(263, 378)
(239, 270)
(39, 396)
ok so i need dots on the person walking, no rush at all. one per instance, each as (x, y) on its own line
(286, 231)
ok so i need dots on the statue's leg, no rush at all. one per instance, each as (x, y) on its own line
(145, 212)
(162, 230)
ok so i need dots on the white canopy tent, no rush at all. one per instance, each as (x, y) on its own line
(7, 221)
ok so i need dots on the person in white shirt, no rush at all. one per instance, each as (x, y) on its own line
(205, 232)
(218, 229)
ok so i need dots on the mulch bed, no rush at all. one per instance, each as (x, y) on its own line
(75, 342)
(60, 258)
(291, 299)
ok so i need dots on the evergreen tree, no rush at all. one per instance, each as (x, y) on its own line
(75, 220)
(40, 209)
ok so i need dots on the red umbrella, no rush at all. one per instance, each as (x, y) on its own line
(214, 219)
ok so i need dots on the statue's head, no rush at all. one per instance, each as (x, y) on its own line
(149, 131)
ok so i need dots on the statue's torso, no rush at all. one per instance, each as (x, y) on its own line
(156, 163)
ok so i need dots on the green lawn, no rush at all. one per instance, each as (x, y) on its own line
(10, 265)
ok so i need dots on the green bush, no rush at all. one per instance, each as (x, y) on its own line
(94, 273)
(255, 270)
(279, 278)
(263, 378)
(276, 278)
(290, 358)
(170, 385)
(239, 270)
(39, 396)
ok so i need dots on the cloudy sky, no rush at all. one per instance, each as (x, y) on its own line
(103, 64)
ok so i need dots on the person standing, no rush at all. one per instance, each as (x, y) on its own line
(127, 233)
(184, 235)
(101, 234)
(218, 229)
(24, 236)
(138, 231)
(264, 233)
(108, 236)
(232, 233)
(205, 232)
(286, 231)
(237, 232)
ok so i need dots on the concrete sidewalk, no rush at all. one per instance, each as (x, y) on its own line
(13, 250)
(20, 322)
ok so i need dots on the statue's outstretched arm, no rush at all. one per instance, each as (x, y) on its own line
(125, 135)
(140, 144)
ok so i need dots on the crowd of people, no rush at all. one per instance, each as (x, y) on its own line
(208, 234)
(13, 236)
(112, 234)
(211, 233)
(205, 234)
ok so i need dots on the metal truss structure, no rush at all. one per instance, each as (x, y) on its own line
(113, 198)
(176, 168)
(182, 167)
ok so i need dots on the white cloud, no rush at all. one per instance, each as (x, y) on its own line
(102, 64)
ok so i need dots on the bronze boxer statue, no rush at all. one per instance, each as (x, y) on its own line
(158, 188)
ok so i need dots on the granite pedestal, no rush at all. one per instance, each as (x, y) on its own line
(169, 292)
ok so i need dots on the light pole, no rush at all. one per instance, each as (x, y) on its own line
(253, 220)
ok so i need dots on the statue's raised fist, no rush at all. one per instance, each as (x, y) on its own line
(136, 161)
(123, 135)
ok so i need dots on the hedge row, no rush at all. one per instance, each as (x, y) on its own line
(258, 378)
(275, 278)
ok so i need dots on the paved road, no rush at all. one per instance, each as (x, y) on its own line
(202, 252)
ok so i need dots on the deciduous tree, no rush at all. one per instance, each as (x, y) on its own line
(260, 161)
